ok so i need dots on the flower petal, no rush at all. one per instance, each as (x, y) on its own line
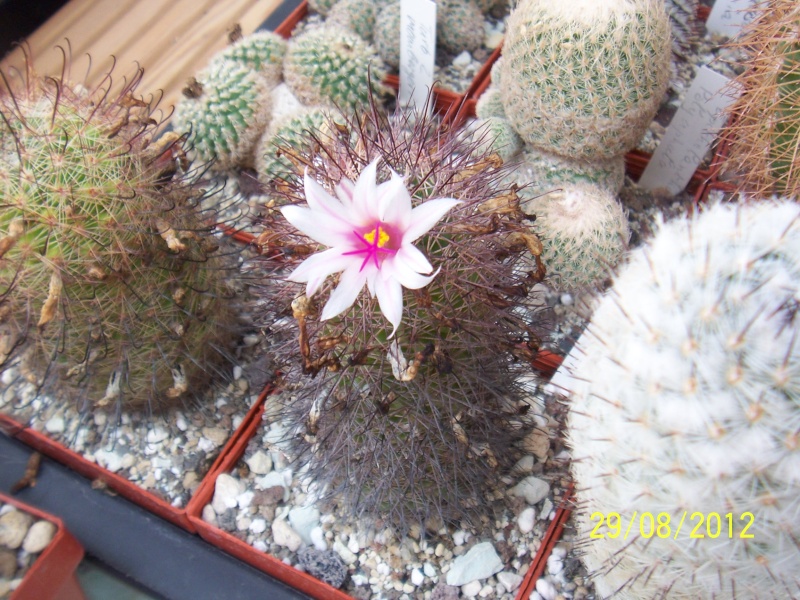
(394, 202)
(344, 191)
(350, 285)
(390, 299)
(426, 215)
(321, 229)
(319, 200)
(411, 256)
(403, 274)
(317, 267)
(365, 208)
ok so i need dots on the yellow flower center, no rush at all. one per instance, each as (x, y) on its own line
(383, 237)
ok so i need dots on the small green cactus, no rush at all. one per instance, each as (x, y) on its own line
(459, 25)
(357, 16)
(292, 133)
(685, 401)
(495, 134)
(261, 51)
(322, 7)
(542, 171)
(111, 288)
(583, 78)
(387, 36)
(225, 110)
(328, 65)
(490, 104)
(584, 233)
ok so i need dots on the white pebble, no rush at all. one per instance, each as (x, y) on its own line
(244, 499)
(156, 435)
(226, 490)
(429, 570)
(260, 463)
(417, 577)
(462, 60)
(510, 581)
(554, 565)
(284, 535)
(258, 526)
(526, 520)
(342, 550)
(459, 537)
(39, 536)
(471, 589)
(260, 545)
(566, 299)
(532, 489)
(317, 536)
(486, 591)
(546, 589)
(55, 424)
(237, 372)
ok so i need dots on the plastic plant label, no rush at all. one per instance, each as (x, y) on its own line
(728, 16)
(417, 51)
(689, 135)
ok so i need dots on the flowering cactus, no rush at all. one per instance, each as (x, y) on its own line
(413, 417)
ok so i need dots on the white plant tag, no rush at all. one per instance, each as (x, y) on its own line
(728, 16)
(417, 51)
(689, 135)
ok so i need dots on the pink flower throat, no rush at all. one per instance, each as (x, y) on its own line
(374, 243)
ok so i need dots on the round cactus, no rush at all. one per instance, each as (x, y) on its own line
(495, 134)
(111, 290)
(584, 234)
(225, 110)
(584, 79)
(261, 51)
(434, 403)
(490, 104)
(322, 7)
(542, 171)
(354, 15)
(328, 65)
(387, 37)
(292, 132)
(459, 25)
(685, 403)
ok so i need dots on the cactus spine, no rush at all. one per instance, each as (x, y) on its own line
(685, 397)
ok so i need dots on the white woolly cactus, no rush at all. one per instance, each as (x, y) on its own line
(584, 232)
(584, 78)
(685, 400)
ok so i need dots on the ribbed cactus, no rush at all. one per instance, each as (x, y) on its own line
(765, 125)
(225, 110)
(584, 232)
(329, 65)
(685, 405)
(584, 79)
(111, 287)
(405, 403)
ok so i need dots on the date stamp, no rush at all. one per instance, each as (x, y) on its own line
(661, 525)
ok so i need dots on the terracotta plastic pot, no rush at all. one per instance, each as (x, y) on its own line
(115, 482)
(52, 575)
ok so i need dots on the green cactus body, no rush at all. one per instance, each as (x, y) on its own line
(584, 234)
(110, 290)
(490, 104)
(685, 406)
(495, 134)
(542, 172)
(765, 124)
(415, 425)
(387, 37)
(328, 65)
(357, 16)
(261, 51)
(584, 79)
(459, 25)
(226, 109)
(322, 7)
(293, 132)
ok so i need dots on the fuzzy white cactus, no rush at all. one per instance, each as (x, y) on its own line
(685, 398)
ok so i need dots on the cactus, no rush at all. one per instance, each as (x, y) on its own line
(289, 135)
(459, 26)
(490, 104)
(495, 134)
(542, 172)
(414, 422)
(322, 7)
(765, 119)
(356, 16)
(584, 234)
(328, 65)
(261, 51)
(387, 37)
(584, 79)
(111, 287)
(685, 398)
(225, 109)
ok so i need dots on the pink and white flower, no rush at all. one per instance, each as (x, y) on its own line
(369, 230)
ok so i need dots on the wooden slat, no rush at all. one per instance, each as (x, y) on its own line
(171, 39)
